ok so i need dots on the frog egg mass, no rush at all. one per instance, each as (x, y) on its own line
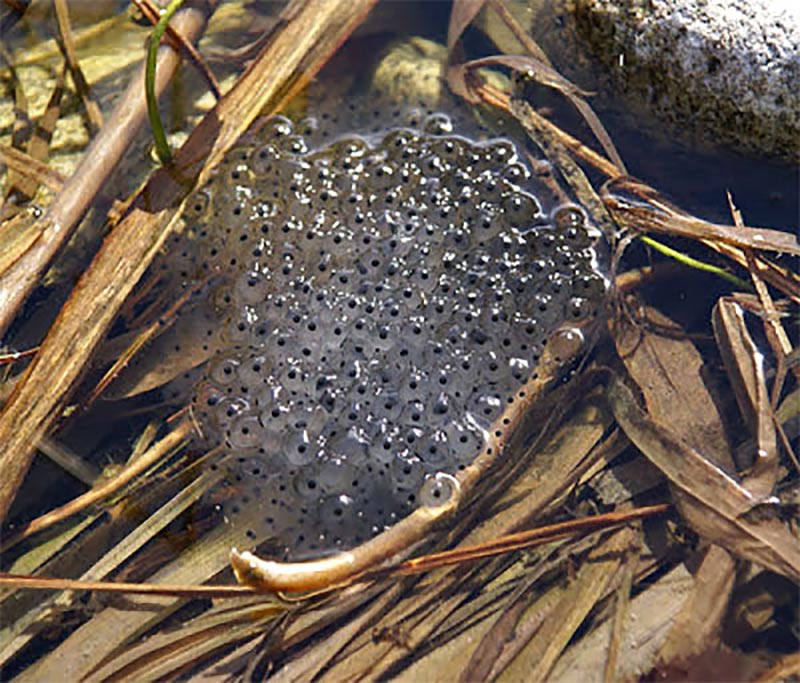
(372, 304)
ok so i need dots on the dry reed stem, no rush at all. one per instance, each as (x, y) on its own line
(55, 584)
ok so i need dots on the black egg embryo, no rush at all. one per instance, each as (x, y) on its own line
(378, 300)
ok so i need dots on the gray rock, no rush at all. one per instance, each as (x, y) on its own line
(726, 70)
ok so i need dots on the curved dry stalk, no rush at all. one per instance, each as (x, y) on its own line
(497, 98)
(294, 577)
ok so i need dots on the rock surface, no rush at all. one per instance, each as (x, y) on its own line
(725, 70)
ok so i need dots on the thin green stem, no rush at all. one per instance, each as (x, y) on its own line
(694, 263)
(160, 138)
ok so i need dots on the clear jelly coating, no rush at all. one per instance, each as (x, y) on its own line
(373, 304)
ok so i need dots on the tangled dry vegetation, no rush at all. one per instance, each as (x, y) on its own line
(646, 527)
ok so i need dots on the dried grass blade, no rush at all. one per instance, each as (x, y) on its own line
(287, 64)
(35, 558)
(68, 461)
(323, 662)
(559, 464)
(699, 623)
(83, 651)
(31, 621)
(592, 582)
(17, 236)
(530, 45)
(501, 100)
(669, 372)
(719, 506)
(523, 539)
(56, 584)
(158, 452)
(461, 16)
(650, 615)
(22, 126)
(551, 140)
(784, 669)
(783, 278)
(17, 9)
(169, 654)
(491, 646)
(621, 614)
(639, 206)
(776, 335)
(744, 367)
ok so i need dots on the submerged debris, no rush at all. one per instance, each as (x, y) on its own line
(374, 305)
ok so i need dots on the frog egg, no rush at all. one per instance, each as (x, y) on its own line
(351, 446)
(304, 483)
(275, 129)
(298, 449)
(245, 433)
(464, 443)
(440, 410)
(340, 519)
(252, 288)
(335, 475)
(229, 407)
(413, 412)
(293, 377)
(438, 124)
(223, 371)
(484, 407)
(566, 217)
(438, 490)
(387, 445)
(494, 367)
(579, 308)
(434, 450)
(277, 417)
(407, 472)
(254, 370)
